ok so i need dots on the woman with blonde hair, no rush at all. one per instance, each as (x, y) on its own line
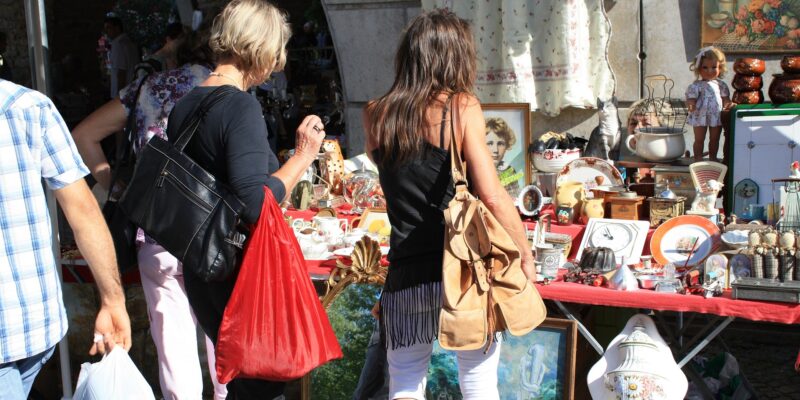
(248, 39)
(408, 136)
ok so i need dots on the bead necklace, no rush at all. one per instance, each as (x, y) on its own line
(221, 75)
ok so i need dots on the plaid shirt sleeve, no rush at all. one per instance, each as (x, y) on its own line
(61, 162)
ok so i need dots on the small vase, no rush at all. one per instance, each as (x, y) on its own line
(564, 215)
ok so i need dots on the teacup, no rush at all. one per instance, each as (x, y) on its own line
(353, 236)
(300, 225)
(312, 244)
(331, 227)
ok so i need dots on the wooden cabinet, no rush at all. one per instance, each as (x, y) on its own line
(630, 208)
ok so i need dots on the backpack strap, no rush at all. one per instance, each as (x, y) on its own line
(457, 164)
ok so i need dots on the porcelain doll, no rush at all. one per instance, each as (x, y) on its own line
(706, 98)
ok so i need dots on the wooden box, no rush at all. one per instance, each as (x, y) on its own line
(630, 208)
(663, 209)
(678, 178)
(766, 289)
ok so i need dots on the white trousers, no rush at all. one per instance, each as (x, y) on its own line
(174, 328)
(477, 372)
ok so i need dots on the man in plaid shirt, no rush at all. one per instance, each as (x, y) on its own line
(36, 146)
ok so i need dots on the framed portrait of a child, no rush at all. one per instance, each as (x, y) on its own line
(508, 127)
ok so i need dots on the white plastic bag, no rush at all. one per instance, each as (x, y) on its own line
(113, 377)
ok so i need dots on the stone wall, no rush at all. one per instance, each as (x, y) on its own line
(365, 34)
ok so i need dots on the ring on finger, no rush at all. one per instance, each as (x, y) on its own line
(98, 337)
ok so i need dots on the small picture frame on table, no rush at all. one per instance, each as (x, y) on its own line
(508, 131)
(373, 220)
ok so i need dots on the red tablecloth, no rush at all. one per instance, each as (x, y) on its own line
(567, 292)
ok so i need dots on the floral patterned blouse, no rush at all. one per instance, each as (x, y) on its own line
(157, 97)
(709, 95)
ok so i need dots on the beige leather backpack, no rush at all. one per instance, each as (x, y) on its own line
(484, 288)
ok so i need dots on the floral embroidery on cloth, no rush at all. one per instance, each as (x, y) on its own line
(551, 54)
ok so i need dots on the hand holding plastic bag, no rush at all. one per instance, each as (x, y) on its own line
(113, 377)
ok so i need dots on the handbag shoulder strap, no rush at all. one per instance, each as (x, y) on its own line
(192, 122)
(457, 164)
(124, 150)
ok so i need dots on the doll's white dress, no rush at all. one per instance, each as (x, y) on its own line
(709, 96)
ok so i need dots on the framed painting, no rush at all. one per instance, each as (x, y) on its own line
(539, 365)
(508, 131)
(750, 26)
(350, 318)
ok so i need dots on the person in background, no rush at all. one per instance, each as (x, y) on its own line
(164, 58)
(124, 54)
(408, 135)
(248, 39)
(36, 148)
(171, 320)
(5, 61)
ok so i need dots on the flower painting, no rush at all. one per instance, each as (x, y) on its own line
(751, 26)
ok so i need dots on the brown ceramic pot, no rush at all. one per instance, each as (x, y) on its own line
(749, 66)
(791, 64)
(785, 88)
(747, 82)
(748, 97)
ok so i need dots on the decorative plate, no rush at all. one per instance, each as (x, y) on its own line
(347, 251)
(325, 256)
(590, 170)
(673, 240)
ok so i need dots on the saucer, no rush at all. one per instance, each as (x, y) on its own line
(326, 256)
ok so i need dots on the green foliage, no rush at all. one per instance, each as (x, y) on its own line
(351, 320)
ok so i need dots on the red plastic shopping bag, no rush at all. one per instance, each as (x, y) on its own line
(274, 326)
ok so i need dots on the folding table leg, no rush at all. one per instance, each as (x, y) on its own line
(582, 329)
(703, 343)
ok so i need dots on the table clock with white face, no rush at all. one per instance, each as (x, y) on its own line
(625, 237)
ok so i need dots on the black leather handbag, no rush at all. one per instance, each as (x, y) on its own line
(123, 231)
(183, 207)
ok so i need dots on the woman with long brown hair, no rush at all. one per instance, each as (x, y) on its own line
(408, 136)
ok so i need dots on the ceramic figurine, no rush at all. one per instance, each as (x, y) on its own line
(706, 98)
(787, 256)
(795, 168)
(756, 253)
(705, 200)
(637, 364)
(770, 251)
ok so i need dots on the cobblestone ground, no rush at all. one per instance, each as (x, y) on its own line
(766, 354)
